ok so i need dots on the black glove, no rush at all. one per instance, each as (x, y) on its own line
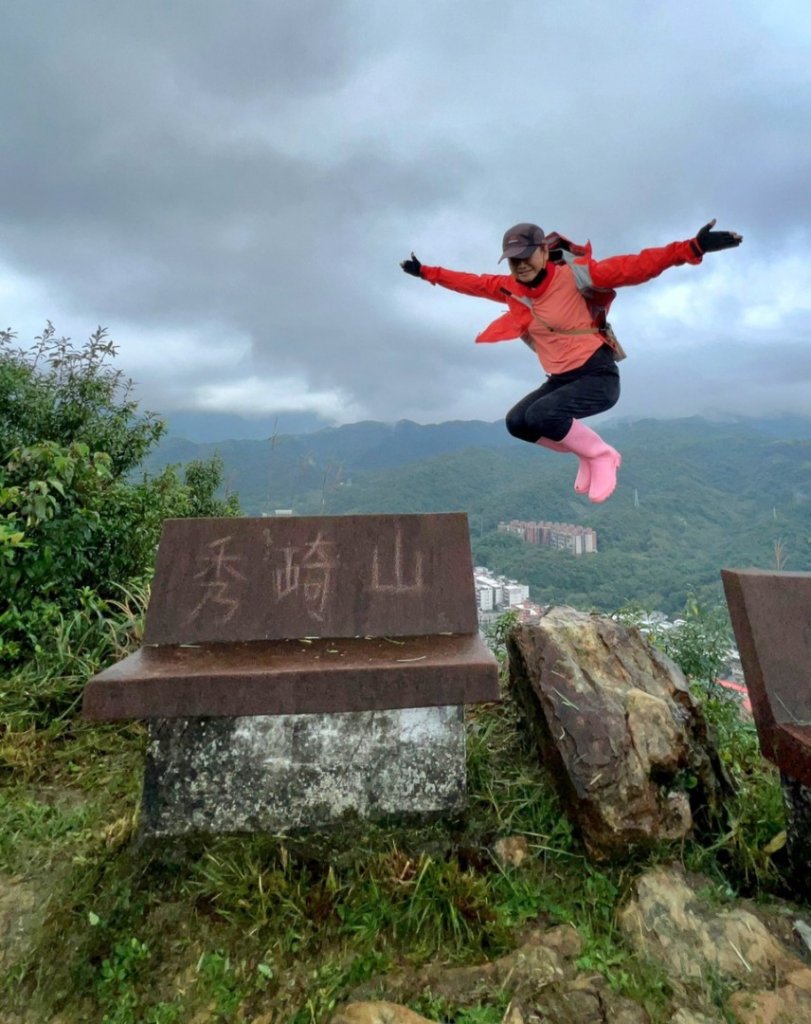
(412, 266)
(708, 240)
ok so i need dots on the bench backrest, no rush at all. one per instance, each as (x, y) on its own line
(232, 580)
(771, 618)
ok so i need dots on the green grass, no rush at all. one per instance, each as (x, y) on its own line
(257, 921)
(156, 932)
(742, 855)
(253, 921)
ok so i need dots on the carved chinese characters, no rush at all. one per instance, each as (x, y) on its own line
(216, 580)
(306, 571)
(349, 576)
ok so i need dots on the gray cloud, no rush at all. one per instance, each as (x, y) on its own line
(248, 176)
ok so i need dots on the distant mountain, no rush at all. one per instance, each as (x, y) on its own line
(694, 496)
(285, 470)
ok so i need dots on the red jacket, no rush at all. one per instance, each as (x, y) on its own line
(574, 296)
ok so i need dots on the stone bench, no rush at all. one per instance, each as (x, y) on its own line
(261, 632)
(771, 619)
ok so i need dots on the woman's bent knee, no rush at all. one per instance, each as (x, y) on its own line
(517, 426)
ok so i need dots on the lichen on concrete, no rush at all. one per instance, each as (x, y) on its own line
(277, 773)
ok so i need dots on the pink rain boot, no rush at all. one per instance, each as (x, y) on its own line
(583, 478)
(604, 461)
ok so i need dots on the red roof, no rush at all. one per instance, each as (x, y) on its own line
(728, 684)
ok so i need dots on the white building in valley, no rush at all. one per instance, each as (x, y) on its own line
(497, 594)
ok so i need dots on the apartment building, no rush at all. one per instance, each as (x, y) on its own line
(579, 540)
(498, 594)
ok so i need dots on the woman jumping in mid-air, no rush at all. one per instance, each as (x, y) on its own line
(557, 299)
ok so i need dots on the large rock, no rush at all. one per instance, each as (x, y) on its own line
(540, 977)
(617, 726)
(667, 920)
(544, 959)
(587, 1000)
(786, 1004)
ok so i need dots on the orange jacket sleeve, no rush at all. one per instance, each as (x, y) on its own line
(617, 271)
(483, 286)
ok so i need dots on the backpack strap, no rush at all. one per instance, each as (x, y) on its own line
(606, 330)
(594, 329)
(603, 328)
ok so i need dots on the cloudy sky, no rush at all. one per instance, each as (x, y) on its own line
(230, 187)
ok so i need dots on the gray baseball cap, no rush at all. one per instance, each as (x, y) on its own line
(521, 241)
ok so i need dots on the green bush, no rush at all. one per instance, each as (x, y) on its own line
(74, 520)
(699, 641)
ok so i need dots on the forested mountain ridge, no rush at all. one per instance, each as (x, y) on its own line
(293, 469)
(693, 497)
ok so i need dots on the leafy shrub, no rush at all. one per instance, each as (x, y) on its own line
(73, 519)
(699, 641)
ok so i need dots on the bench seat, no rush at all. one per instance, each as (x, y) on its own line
(288, 677)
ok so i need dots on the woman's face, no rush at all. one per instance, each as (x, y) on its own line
(528, 267)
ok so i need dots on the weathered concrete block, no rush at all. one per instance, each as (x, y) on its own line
(277, 773)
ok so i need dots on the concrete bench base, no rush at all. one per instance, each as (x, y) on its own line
(296, 669)
(287, 677)
(278, 773)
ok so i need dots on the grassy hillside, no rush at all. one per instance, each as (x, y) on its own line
(299, 470)
(105, 928)
(690, 502)
(693, 497)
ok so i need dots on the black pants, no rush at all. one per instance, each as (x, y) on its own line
(549, 410)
